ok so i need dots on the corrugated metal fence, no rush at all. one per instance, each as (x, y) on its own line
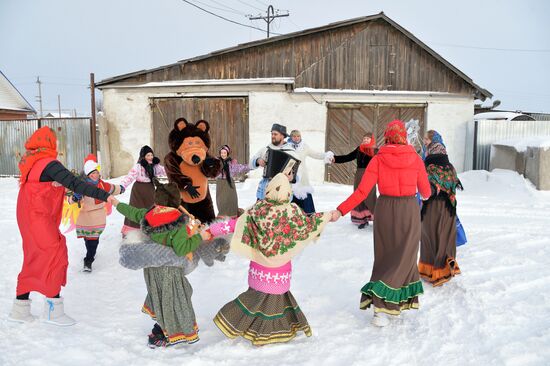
(73, 135)
(483, 133)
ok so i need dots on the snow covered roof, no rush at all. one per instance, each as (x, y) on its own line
(508, 116)
(11, 99)
(172, 83)
(522, 144)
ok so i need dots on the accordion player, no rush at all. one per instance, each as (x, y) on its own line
(279, 161)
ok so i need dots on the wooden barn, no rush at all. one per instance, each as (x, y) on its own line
(333, 83)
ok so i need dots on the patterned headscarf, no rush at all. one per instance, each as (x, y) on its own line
(41, 144)
(275, 230)
(436, 148)
(396, 133)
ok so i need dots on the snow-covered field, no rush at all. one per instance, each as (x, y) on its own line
(496, 313)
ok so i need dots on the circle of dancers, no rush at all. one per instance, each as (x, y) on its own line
(414, 211)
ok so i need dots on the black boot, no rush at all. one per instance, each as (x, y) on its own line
(156, 338)
(362, 226)
(87, 265)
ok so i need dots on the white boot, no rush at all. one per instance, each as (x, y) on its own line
(21, 311)
(380, 320)
(54, 313)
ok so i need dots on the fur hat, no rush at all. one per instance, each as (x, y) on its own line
(144, 151)
(167, 194)
(90, 164)
(279, 128)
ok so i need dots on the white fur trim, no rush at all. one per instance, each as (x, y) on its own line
(135, 237)
(329, 155)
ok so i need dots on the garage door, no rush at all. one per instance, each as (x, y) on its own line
(228, 119)
(347, 124)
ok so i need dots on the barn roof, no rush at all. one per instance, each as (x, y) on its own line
(483, 93)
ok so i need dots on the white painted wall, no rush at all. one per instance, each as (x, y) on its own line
(451, 121)
(129, 117)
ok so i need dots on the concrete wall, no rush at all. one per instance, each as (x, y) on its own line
(129, 118)
(533, 163)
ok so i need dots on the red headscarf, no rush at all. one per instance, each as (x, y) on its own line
(368, 149)
(396, 133)
(41, 144)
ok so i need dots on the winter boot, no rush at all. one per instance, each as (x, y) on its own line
(87, 265)
(54, 313)
(362, 226)
(157, 340)
(21, 311)
(380, 320)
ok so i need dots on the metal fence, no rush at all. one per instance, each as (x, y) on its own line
(483, 133)
(73, 135)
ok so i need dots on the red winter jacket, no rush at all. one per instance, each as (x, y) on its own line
(398, 171)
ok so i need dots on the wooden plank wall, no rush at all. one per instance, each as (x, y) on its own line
(228, 119)
(363, 56)
(348, 123)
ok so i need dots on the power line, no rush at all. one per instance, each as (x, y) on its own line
(252, 6)
(227, 8)
(224, 18)
(491, 48)
(261, 3)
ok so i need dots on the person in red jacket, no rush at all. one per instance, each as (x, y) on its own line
(399, 172)
(39, 209)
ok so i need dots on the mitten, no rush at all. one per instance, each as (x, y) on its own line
(192, 190)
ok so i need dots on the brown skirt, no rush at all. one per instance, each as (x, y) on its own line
(395, 283)
(364, 211)
(142, 196)
(226, 198)
(262, 318)
(438, 244)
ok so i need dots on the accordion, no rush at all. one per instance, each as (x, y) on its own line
(278, 161)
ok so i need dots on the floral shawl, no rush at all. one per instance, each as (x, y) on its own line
(274, 230)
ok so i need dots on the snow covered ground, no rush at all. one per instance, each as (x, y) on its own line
(496, 313)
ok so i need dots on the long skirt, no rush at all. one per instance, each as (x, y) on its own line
(168, 302)
(142, 196)
(438, 244)
(226, 198)
(363, 212)
(262, 318)
(395, 283)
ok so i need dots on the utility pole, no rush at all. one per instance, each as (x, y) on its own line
(59, 104)
(92, 120)
(270, 17)
(39, 97)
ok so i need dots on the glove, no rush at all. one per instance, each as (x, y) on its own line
(76, 198)
(210, 162)
(192, 190)
(122, 189)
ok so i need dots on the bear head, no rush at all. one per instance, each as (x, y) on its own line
(190, 141)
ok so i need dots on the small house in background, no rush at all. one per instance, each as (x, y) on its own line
(12, 103)
(57, 115)
(334, 83)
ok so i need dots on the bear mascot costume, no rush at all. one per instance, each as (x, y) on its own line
(189, 165)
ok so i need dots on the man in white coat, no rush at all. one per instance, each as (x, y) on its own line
(278, 142)
(302, 189)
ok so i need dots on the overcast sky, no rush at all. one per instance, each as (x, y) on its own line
(504, 46)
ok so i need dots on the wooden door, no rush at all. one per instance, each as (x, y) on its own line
(348, 123)
(228, 119)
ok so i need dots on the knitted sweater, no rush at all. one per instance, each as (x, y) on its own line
(173, 234)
